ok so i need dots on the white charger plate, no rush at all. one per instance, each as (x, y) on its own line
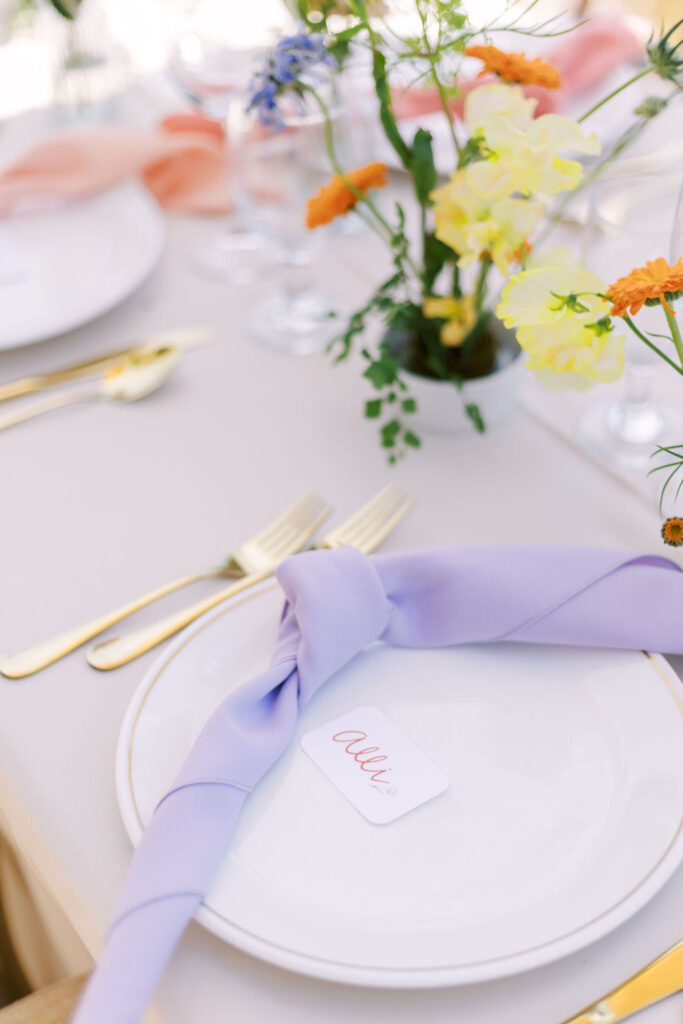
(563, 817)
(73, 262)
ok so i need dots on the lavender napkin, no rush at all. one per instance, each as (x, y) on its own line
(337, 603)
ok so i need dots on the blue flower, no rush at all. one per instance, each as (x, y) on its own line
(294, 62)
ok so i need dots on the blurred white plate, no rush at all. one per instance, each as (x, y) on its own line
(564, 813)
(66, 265)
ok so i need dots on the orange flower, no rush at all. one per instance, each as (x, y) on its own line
(515, 67)
(657, 281)
(672, 532)
(336, 198)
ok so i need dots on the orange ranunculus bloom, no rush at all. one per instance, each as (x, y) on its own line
(656, 280)
(515, 67)
(336, 198)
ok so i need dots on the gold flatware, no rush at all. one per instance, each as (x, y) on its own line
(127, 380)
(252, 556)
(366, 529)
(659, 980)
(181, 338)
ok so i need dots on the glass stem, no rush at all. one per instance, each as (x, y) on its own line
(634, 419)
(296, 278)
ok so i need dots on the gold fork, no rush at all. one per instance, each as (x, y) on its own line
(659, 980)
(366, 529)
(261, 552)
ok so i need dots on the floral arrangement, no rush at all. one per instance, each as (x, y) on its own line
(509, 165)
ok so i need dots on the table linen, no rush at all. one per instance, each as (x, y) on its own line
(120, 526)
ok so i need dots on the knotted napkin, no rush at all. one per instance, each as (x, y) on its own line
(338, 602)
(183, 162)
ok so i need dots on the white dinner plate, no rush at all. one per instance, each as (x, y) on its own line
(64, 266)
(563, 816)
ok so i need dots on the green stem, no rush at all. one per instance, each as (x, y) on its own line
(437, 81)
(386, 233)
(675, 333)
(423, 235)
(643, 338)
(380, 225)
(624, 141)
(480, 288)
(444, 103)
(615, 92)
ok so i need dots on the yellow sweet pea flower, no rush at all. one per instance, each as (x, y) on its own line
(473, 226)
(563, 325)
(487, 102)
(460, 315)
(521, 154)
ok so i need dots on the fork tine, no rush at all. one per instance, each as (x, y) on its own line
(305, 531)
(369, 510)
(384, 529)
(356, 533)
(273, 528)
(316, 509)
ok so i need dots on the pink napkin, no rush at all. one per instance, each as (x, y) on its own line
(583, 58)
(183, 163)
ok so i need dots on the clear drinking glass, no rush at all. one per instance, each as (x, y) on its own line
(90, 68)
(633, 219)
(278, 171)
(212, 77)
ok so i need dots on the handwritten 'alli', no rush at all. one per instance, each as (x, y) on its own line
(351, 738)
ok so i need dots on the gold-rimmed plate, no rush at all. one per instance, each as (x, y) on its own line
(563, 816)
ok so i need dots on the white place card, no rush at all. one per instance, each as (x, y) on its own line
(376, 768)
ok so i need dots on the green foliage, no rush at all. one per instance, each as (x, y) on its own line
(389, 432)
(447, 13)
(477, 419)
(373, 408)
(650, 107)
(67, 8)
(382, 371)
(424, 172)
(473, 150)
(386, 113)
(436, 254)
(341, 43)
(675, 451)
(381, 301)
(665, 58)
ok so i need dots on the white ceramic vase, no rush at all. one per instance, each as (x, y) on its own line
(441, 404)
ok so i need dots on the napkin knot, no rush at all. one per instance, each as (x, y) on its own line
(336, 606)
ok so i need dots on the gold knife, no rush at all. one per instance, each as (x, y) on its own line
(659, 980)
(185, 338)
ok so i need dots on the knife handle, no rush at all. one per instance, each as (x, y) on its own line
(660, 979)
(123, 649)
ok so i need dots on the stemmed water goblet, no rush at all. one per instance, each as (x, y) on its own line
(279, 168)
(212, 77)
(632, 220)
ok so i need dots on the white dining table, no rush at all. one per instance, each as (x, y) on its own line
(102, 502)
